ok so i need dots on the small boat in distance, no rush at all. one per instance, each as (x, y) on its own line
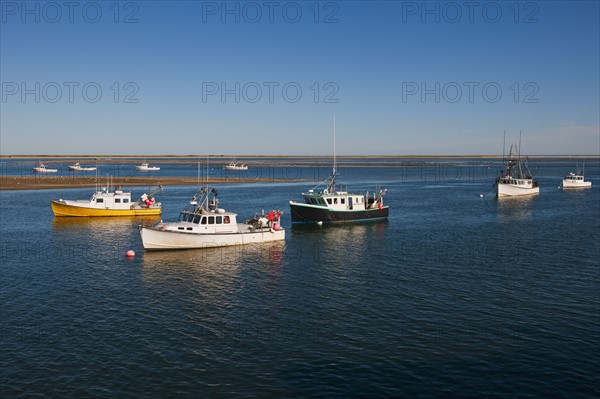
(576, 180)
(330, 206)
(516, 179)
(202, 224)
(105, 202)
(78, 168)
(41, 168)
(235, 166)
(145, 167)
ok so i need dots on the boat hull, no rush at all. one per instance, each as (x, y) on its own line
(569, 184)
(78, 169)
(150, 169)
(156, 239)
(506, 190)
(304, 213)
(61, 209)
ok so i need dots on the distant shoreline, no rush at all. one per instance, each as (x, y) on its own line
(229, 157)
(61, 182)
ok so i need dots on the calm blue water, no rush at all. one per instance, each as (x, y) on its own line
(454, 295)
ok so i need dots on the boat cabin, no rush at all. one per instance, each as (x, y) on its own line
(571, 177)
(112, 200)
(216, 221)
(525, 183)
(339, 200)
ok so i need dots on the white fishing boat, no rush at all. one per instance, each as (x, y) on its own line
(145, 167)
(516, 179)
(235, 166)
(576, 180)
(202, 224)
(78, 168)
(41, 168)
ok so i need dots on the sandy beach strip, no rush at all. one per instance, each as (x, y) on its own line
(56, 182)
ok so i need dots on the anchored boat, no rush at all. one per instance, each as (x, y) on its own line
(576, 180)
(516, 179)
(41, 168)
(235, 166)
(330, 205)
(78, 168)
(202, 224)
(145, 167)
(105, 202)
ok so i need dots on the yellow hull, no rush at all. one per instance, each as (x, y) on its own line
(61, 209)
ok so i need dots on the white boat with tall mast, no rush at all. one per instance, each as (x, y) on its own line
(202, 224)
(332, 205)
(576, 180)
(516, 179)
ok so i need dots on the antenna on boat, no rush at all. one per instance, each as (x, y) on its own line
(504, 145)
(334, 155)
(519, 155)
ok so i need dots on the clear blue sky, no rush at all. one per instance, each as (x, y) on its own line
(400, 77)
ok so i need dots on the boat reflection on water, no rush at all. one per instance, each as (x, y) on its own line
(97, 231)
(515, 208)
(208, 264)
(349, 242)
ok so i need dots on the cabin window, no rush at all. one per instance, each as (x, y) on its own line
(226, 219)
(117, 200)
(211, 220)
(197, 219)
(342, 200)
(125, 200)
(180, 228)
(329, 201)
(190, 228)
(219, 219)
(335, 200)
(203, 220)
(99, 200)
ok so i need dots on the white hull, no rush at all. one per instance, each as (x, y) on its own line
(147, 169)
(509, 190)
(44, 170)
(156, 239)
(571, 184)
(80, 169)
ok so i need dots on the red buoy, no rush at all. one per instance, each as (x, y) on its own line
(130, 254)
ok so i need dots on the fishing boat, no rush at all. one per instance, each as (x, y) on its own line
(145, 167)
(202, 224)
(576, 180)
(106, 202)
(78, 168)
(235, 166)
(41, 168)
(330, 205)
(516, 179)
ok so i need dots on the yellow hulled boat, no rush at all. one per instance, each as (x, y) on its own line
(106, 203)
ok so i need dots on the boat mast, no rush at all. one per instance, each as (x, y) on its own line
(334, 155)
(519, 157)
(504, 146)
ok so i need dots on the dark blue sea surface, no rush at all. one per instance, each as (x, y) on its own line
(455, 295)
